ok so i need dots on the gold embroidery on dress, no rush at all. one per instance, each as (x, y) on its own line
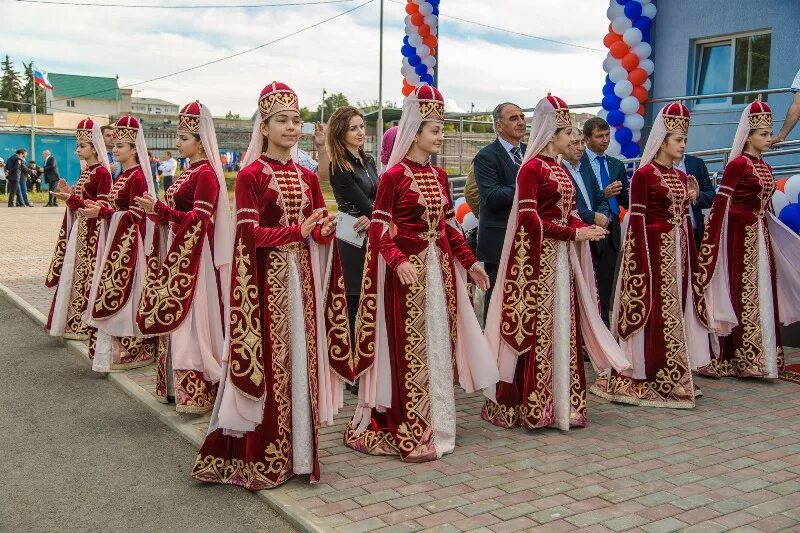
(520, 292)
(116, 273)
(634, 289)
(748, 358)
(246, 322)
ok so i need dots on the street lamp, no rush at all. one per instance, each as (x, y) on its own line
(322, 109)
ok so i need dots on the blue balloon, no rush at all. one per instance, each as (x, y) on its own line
(623, 136)
(615, 117)
(608, 89)
(405, 40)
(421, 69)
(630, 150)
(790, 215)
(646, 35)
(608, 80)
(407, 50)
(623, 2)
(643, 23)
(611, 102)
(633, 10)
(426, 78)
(414, 60)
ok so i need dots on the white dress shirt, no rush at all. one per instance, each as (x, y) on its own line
(796, 83)
(576, 176)
(508, 146)
(167, 168)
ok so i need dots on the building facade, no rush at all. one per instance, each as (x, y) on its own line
(153, 106)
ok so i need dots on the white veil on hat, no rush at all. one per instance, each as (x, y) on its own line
(270, 103)
(672, 118)
(543, 127)
(411, 119)
(755, 115)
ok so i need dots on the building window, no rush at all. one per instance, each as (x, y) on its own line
(730, 64)
(70, 103)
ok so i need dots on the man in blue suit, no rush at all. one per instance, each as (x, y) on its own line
(589, 198)
(695, 166)
(609, 175)
(495, 168)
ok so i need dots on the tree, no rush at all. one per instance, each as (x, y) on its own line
(10, 86)
(332, 103)
(309, 116)
(232, 115)
(27, 91)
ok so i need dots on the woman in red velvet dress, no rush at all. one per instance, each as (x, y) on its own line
(545, 305)
(289, 353)
(76, 250)
(182, 296)
(117, 281)
(417, 332)
(655, 312)
(748, 266)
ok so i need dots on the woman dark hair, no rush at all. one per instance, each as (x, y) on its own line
(354, 180)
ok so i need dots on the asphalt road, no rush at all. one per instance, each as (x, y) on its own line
(78, 454)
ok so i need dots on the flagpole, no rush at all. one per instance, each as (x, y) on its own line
(379, 125)
(33, 114)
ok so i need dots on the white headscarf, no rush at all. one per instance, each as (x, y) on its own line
(410, 121)
(660, 131)
(99, 145)
(543, 127)
(743, 131)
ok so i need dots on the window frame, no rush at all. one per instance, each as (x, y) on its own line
(730, 39)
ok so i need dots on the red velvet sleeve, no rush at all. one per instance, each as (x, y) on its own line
(384, 202)
(453, 232)
(530, 176)
(247, 205)
(103, 182)
(206, 191)
(75, 202)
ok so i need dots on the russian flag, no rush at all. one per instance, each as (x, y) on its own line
(40, 78)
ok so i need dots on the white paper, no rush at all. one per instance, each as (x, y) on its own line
(345, 231)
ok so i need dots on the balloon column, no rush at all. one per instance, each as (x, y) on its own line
(786, 201)
(628, 70)
(464, 215)
(419, 44)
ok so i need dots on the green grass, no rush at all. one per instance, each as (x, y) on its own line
(35, 198)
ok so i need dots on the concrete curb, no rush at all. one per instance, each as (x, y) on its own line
(286, 507)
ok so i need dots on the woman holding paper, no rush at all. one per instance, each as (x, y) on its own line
(354, 180)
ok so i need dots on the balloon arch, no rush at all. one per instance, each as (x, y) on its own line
(419, 43)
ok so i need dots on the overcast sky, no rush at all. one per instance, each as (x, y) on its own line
(477, 64)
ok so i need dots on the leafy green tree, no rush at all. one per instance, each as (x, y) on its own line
(10, 86)
(332, 103)
(232, 115)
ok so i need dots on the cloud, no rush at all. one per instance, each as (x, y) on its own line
(478, 65)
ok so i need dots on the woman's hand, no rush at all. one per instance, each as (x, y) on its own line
(308, 225)
(693, 187)
(328, 225)
(63, 196)
(92, 209)
(147, 202)
(62, 186)
(407, 273)
(590, 233)
(361, 224)
(319, 136)
(479, 276)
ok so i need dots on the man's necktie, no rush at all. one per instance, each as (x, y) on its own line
(517, 156)
(605, 179)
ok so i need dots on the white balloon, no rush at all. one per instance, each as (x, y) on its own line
(649, 10)
(614, 149)
(413, 78)
(792, 189)
(779, 201)
(420, 2)
(406, 71)
(623, 88)
(425, 9)
(415, 41)
(610, 62)
(647, 85)
(460, 200)
(470, 222)
(618, 74)
(634, 121)
(620, 24)
(614, 10)
(632, 36)
(647, 65)
(643, 2)
(629, 104)
(432, 21)
(643, 50)
(637, 136)
(603, 113)
(405, 62)
(429, 61)
(423, 51)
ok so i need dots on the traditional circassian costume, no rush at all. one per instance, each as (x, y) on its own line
(655, 309)
(75, 255)
(117, 281)
(749, 264)
(413, 340)
(289, 353)
(545, 306)
(182, 296)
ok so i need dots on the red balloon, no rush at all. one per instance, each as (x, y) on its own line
(630, 61)
(407, 89)
(412, 8)
(622, 212)
(780, 184)
(619, 49)
(431, 41)
(611, 38)
(637, 76)
(424, 31)
(641, 109)
(417, 19)
(640, 93)
(461, 212)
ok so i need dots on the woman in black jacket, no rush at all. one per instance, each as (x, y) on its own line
(354, 180)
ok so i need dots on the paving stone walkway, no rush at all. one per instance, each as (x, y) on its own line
(733, 463)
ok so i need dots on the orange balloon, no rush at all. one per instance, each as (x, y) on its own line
(630, 61)
(637, 76)
(641, 109)
(780, 184)
(431, 41)
(407, 89)
(619, 49)
(417, 19)
(412, 9)
(640, 93)
(461, 212)
(424, 31)
(611, 38)
(622, 212)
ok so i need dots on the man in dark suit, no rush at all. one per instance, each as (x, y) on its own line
(590, 202)
(610, 176)
(695, 166)
(51, 177)
(495, 167)
(17, 171)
